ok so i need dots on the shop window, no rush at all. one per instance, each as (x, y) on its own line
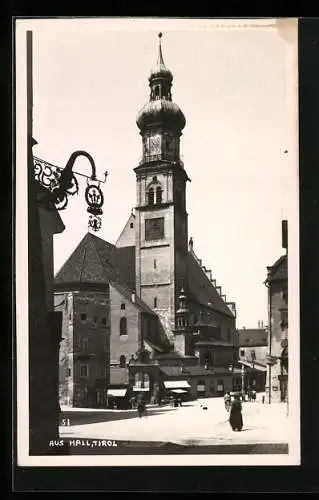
(83, 317)
(123, 326)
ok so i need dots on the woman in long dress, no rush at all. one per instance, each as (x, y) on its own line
(235, 417)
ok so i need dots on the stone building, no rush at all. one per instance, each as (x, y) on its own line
(277, 283)
(253, 351)
(169, 324)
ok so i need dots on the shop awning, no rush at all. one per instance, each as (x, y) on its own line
(176, 384)
(117, 393)
(254, 366)
(178, 391)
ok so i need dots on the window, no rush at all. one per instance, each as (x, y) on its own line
(83, 317)
(155, 302)
(122, 307)
(123, 326)
(220, 385)
(242, 352)
(84, 370)
(95, 319)
(154, 229)
(84, 343)
(157, 91)
(131, 225)
(151, 196)
(103, 321)
(122, 361)
(154, 263)
(158, 195)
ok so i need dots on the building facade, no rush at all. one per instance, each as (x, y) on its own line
(277, 283)
(252, 355)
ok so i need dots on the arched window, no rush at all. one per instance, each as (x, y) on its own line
(158, 195)
(122, 361)
(151, 196)
(157, 91)
(123, 326)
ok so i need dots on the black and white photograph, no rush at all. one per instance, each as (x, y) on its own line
(156, 205)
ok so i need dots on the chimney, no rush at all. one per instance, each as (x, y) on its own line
(133, 296)
(284, 234)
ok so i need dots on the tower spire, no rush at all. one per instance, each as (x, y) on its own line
(160, 60)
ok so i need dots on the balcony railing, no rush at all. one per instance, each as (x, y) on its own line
(161, 156)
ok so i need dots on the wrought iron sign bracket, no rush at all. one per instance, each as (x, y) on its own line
(62, 183)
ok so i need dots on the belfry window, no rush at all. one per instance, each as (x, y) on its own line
(157, 91)
(158, 195)
(151, 196)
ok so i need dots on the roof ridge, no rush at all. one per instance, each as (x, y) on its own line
(70, 257)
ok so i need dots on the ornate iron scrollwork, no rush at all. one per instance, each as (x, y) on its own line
(60, 183)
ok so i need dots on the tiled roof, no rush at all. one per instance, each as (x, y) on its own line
(252, 337)
(278, 271)
(95, 261)
(201, 290)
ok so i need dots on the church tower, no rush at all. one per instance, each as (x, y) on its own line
(161, 218)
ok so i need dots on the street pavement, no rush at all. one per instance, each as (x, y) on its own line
(189, 425)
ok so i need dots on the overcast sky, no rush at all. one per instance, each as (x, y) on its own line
(91, 79)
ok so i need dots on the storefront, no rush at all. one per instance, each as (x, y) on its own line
(117, 399)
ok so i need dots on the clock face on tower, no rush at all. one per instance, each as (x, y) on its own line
(155, 144)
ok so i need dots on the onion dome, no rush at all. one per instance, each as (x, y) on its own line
(160, 110)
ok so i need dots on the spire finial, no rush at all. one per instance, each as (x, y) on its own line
(160, 60)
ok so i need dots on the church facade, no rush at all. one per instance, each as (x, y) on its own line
(167, 323)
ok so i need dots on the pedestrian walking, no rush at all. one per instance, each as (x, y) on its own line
(227, 401)
(141, 407)
(235, 417)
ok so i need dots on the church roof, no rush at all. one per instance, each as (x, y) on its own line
(202, 291)
(98, 262)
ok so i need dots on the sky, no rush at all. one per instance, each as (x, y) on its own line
(236, 89)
